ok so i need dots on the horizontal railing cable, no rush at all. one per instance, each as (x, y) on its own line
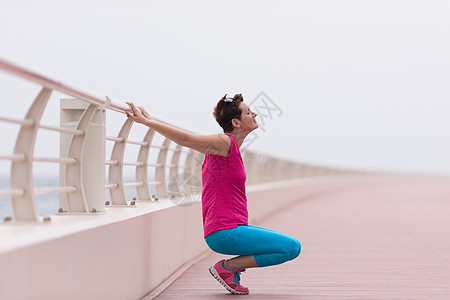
(115, 139)
(154, 182)
(158, 147)
(111, 186)
(62, 160)
(154, 165)
(54, 190)
(17, 121)
(136, 164)
(13, 157)
(143, 144)
(63, 130)
(131, 184)
(12, 193)
(111, 162)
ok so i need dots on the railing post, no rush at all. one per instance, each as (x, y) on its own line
(115, 176)
(198, 162)
(92, 158)
(174, 174)
(160, 171)
(143, 191)
(24, 206)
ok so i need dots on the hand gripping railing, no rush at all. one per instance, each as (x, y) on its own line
(87, 196)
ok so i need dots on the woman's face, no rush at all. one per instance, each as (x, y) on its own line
(247, 118)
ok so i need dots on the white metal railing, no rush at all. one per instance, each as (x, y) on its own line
(87, 196)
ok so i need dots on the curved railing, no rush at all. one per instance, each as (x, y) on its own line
(83, 161)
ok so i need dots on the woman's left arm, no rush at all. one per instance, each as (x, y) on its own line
(217, 144)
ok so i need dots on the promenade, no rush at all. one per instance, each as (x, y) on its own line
(375, 240)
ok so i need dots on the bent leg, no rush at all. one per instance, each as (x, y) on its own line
(268, 247)
(298, 247)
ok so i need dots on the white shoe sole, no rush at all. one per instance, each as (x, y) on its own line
(214, 274)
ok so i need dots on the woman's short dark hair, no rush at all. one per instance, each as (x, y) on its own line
(226, 110)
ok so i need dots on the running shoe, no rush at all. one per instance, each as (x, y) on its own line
(229, 279)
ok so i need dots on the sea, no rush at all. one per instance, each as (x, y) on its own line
(47, 204)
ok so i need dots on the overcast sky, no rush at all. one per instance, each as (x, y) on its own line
(361, 84)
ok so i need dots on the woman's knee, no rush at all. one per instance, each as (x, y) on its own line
(294, 249)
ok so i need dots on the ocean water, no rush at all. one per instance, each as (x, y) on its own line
(47, 204)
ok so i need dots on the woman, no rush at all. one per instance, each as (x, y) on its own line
(224, 201)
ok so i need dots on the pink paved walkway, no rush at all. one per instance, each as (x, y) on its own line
(385, 240)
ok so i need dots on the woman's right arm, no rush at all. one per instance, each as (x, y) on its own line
(218, 144)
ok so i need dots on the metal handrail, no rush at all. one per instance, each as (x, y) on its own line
(69, 89)
(58, 85)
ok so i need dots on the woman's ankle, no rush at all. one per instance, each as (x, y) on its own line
(232, 265)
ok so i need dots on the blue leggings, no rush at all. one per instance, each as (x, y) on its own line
(269, 247)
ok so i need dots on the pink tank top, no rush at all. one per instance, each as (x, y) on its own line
(224, 202)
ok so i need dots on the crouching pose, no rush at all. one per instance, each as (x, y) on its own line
(224, 201)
